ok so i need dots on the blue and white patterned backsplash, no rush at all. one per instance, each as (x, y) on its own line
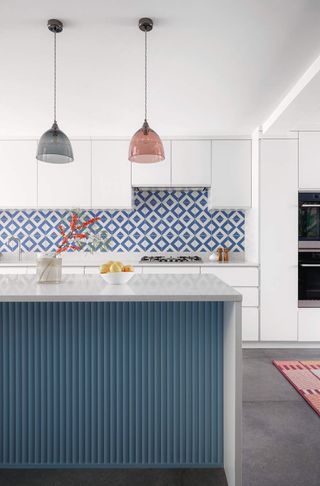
(161, 221)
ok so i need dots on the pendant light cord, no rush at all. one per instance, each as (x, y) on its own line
(145, 75)
(55, 77)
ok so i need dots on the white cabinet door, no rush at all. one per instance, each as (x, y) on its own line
(236, 277)
(309, 156)
(66, 185)
(250, 324)
(31, 270)
(309, 325)
(169, 269)
(72, 270)
(250, 296)
(111, 175)
(231, 174)
(13, 270)
(153, 175)
(191, 163)
(91, 270)
(279, 240)
(18, 168)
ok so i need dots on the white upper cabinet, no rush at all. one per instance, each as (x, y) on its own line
(111, 174)
(231, 174)
(18, 181)
(153, 175)
(309, 157)
(191, 163)
(66, 185)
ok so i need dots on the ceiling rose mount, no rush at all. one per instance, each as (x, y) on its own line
(55, 26)
(145, 24)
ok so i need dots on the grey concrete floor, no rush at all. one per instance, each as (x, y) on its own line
(281, 433)
(281, 439)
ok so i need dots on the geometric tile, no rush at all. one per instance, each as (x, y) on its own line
(161, 220)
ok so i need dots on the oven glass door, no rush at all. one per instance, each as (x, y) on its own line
(309, 223)
(309, 279)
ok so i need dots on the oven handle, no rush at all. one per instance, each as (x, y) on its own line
(309, 264)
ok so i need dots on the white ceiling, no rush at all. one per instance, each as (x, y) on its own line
(303, 111)
(215, 66)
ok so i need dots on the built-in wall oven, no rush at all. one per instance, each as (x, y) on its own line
(309, 220)
(309, 278)
(309, 249)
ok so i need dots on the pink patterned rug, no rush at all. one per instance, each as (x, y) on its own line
(305, 377)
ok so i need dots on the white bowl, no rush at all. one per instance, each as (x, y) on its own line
(117, 278)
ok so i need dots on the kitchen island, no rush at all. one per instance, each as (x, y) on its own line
(146, 374)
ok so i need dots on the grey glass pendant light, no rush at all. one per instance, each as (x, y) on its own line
(54, 146)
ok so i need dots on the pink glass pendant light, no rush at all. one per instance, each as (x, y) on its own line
(146, 146)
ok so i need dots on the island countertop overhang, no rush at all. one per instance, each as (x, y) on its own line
(141, 288)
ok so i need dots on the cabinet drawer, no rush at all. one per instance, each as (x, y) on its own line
(91, 270)
(72, 270)
(170, 269)
(31, 270)
(250, 324)
(309, 324)
(236, 277)
(13, 270)
(250, 296)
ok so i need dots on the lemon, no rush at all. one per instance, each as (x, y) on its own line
(115, 267)
(104, 268)
(120, 265)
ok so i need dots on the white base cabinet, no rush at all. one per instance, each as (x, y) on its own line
(172, 270)
(246, 281)
(250, 323)
(235, 276)
(309, 325)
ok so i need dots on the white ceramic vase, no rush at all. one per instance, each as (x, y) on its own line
(49, 268)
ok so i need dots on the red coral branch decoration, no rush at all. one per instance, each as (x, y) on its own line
(90, 221)
(73, 233)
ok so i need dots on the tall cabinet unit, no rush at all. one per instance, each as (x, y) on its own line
(279, 240)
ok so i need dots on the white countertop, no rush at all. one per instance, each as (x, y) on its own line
(24, 288)
(95, 260)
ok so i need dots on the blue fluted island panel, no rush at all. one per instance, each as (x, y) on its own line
(114, 383)
(118, 382)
